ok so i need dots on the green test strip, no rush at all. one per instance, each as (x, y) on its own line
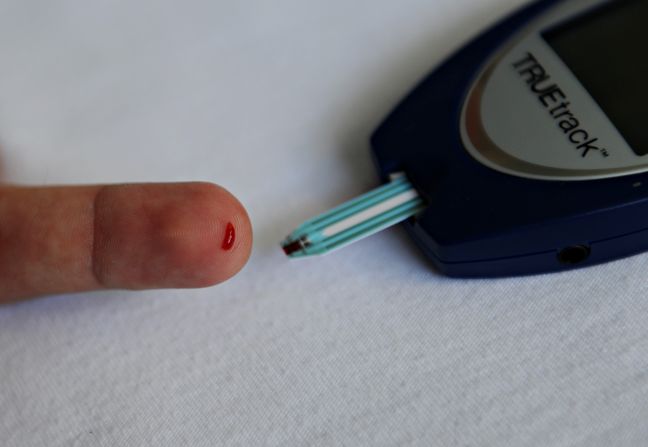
(358, 218)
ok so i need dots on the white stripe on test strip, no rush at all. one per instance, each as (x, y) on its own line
(370, 213)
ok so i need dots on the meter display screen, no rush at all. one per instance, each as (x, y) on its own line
(607, 50)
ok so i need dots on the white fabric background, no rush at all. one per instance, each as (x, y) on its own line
(367, 346)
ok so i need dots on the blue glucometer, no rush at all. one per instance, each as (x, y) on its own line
(530, 144)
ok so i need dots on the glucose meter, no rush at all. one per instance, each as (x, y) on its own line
(529, 146)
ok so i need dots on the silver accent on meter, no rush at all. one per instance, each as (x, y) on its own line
(535, 130)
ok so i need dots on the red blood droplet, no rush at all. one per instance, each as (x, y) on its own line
(230, 237)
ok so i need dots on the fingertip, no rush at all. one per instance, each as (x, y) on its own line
(231, 244)
(169, 236)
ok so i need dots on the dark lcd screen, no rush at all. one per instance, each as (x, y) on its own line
(607, 50)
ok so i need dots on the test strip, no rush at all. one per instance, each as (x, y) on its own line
(356, 219)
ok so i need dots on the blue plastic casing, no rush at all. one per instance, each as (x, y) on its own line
(483, 223)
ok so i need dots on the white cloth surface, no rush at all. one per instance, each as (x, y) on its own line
(366, 346)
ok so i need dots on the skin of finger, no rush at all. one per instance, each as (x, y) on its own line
(70, 239)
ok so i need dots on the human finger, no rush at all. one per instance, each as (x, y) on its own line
(137, 236)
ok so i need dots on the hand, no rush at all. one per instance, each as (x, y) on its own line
(141, 236)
